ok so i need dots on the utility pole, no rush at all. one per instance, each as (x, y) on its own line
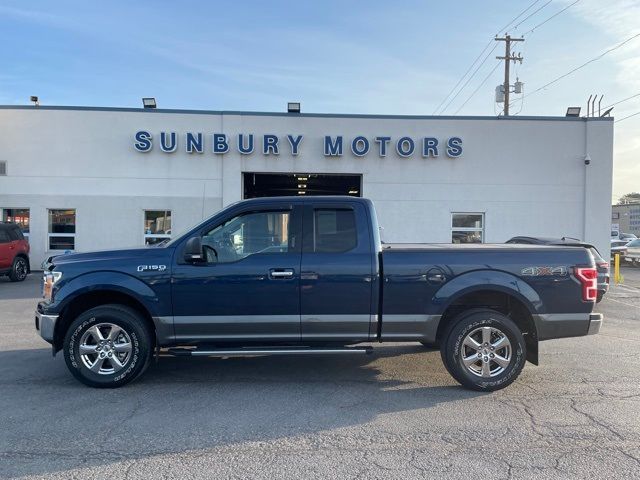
(508, 58)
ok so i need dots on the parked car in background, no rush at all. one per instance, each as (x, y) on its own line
(627, 236)
(604, 276)
(632, 252)
(619, 246)
(14, 252)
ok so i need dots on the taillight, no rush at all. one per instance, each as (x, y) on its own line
(589, 280)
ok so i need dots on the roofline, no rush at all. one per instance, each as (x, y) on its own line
(307, 115)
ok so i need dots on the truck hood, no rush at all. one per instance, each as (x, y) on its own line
(140, 253)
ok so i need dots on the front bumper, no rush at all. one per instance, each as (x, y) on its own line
(46, 325)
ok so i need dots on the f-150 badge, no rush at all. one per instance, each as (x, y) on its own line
(151, 268)
(544, 271)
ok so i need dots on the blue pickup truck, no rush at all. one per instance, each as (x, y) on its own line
(310, 276)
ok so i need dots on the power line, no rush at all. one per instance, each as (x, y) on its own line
(470, 78)
(480, 55)
(628, 116)
(533, 13)
(622, 101)
(583, 65)
(479, 86)
(516, 18)
(550, 18)
(462, 77)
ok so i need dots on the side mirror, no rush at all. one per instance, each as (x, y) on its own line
(193, 250)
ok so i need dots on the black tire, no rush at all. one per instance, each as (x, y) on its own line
(19, 269)
(453, 350)
(110, 375)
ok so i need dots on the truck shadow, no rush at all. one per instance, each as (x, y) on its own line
(54, 424)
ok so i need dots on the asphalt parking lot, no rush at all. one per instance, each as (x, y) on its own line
(393, 414)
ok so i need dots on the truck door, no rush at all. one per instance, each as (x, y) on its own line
(336, 273)
(248, 288)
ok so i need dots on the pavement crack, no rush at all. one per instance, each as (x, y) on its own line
(594, 420)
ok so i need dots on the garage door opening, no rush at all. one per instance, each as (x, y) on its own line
(296, 184)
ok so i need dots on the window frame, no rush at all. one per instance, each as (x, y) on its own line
(480, 230)
(159, 236)
(59, 235)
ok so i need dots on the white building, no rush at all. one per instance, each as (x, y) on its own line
(94, 178)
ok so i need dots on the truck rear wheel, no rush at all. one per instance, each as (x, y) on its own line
(483, 350)
(108, 346)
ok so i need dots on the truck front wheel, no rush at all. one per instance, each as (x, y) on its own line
(483, 350)
(108, 346)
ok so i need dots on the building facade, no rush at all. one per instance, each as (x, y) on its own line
(83, 178)
(625, 218)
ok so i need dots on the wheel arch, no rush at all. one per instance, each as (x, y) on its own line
(496, 297)
(95, 298)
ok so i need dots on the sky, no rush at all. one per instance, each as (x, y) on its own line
(401, 57)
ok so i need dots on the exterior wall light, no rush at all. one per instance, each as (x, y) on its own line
(293, 107)
(149, 102)
(573, 112)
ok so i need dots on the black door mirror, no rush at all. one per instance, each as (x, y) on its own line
(193, 250)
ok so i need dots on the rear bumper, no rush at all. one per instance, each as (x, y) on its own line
(595, 322)
(563, 325)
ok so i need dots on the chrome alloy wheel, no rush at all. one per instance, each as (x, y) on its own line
(105, 348)
(486, 352)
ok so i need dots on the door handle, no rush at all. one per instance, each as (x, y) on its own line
(281, 273)
(436, 278)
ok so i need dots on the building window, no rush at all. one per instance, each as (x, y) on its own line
(19, 216)
(467, 227)
(62, 229)
(157, 226)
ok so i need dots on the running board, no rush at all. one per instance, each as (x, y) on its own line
(250, 351)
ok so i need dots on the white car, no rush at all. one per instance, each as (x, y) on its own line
(633, 252)
(620, 246)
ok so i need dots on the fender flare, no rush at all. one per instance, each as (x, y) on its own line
(497, 281)
(107, 280)
(121, 283)
(479, 280)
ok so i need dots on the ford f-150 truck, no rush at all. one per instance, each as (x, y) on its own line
(308, 276)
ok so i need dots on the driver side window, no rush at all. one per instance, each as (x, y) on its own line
(247, 234)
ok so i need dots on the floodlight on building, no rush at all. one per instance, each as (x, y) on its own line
(302, 185)
(149, 102)
(353, 192)
(293, 107)
(35, 101)
(302, 192)
(573, 112)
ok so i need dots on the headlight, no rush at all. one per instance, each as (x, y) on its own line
(49, 280)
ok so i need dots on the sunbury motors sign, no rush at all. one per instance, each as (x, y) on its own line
(330, 145)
